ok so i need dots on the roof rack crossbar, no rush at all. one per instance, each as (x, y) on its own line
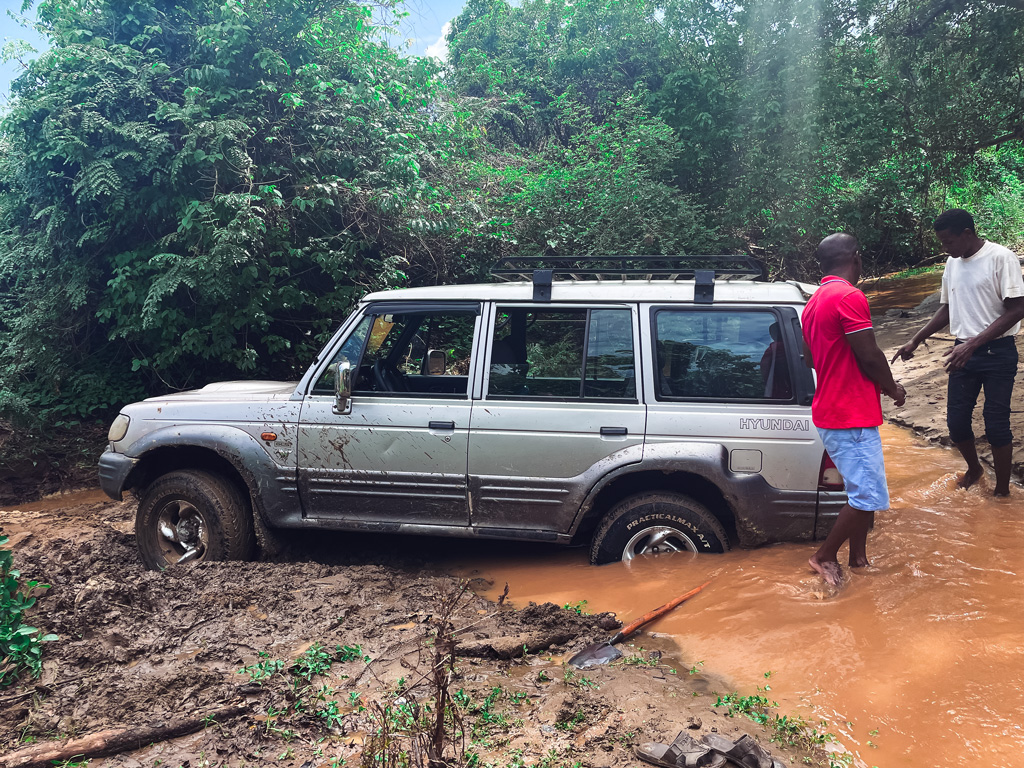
(622, 268)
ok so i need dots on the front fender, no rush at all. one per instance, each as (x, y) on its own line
(272, 485)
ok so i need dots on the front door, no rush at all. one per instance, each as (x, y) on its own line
(560, 408)
(400, 455)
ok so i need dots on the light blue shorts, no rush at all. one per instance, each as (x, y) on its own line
(857, 454)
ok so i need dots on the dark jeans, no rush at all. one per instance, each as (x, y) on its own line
(993, 367)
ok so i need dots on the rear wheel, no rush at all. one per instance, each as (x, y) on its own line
(192, 515)
(654, 524)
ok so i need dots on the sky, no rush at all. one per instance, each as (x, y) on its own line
(425, 26)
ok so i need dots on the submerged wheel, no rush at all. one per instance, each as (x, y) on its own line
(657, 523)
(191, 515)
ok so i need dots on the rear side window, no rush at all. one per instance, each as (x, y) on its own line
(562, 354)
(720, 355)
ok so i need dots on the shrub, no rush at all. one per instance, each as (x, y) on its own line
(20, 645)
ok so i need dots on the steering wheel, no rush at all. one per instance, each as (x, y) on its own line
(387, 379)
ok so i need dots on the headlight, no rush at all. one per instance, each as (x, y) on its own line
(119, 428)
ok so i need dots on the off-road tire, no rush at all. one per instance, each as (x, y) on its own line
(223, 508)
(699, 530)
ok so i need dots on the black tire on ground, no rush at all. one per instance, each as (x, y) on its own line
(193, 515)
(657, 522)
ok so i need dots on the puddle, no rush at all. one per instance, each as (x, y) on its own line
(920, 655)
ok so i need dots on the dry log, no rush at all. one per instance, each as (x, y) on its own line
(114, 741)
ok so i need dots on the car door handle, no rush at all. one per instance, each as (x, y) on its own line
(442, 425)
(614, 431)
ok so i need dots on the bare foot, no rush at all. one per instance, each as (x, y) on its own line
(969, 478)
(829, 570)
(860, 562)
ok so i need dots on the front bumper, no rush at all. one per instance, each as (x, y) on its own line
(114, 470)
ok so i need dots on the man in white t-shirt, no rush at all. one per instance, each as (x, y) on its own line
(982, 302)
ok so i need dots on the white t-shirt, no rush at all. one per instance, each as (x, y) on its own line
(974, 289)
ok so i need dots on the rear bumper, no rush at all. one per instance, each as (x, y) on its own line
(114, 471)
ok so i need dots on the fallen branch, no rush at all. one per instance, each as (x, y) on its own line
(114, 741)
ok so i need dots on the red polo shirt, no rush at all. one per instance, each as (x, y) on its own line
(845, 398)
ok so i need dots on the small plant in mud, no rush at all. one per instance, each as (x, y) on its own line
(754, 707)
(352, 653)
(570, 724)
(573, 678)
(640, 659)
(793, 731)
(410, 732)
(577, 607)
(263, 669)
(21, 646)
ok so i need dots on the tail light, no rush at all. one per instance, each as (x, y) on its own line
(829, 478)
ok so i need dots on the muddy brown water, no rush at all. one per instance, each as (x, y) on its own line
(917, 662)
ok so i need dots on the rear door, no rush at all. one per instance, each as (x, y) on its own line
(559, 409)
(733, 376)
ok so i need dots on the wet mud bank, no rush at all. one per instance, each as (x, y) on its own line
(338, 654)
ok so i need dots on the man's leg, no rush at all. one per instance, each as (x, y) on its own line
(961, 397)
(1002, 460)
(851, 524)
(859, 544)
(997, 377)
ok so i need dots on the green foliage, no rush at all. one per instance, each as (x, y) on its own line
(263, 669)
(200, 190)
(20, 644)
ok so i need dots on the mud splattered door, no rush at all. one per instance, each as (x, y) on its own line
(399, 455)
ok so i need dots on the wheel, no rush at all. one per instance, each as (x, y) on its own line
(656, 523)
(192, 515)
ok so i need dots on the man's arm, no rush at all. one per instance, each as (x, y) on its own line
(1013, 313)
(872, 362)
(939, 321)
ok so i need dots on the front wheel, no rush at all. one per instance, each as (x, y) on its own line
(191, 515)
(657, 523)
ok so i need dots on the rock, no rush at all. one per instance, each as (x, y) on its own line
(694, 723)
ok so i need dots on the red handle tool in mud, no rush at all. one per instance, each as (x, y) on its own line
(602, 653)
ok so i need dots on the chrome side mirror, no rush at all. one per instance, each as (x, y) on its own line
(342, 386)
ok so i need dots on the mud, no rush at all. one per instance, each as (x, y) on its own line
(139, 648)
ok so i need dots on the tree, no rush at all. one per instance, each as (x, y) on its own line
(201, 189)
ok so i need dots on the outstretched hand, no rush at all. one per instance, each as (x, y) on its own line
(905, 352)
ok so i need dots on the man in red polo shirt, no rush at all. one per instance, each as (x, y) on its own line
(840, 345)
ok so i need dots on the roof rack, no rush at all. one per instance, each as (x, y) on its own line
(621, 268)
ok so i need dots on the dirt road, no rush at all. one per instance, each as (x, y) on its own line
(325, 649)
(926, 380)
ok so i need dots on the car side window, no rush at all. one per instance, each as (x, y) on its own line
(720, 355)
(563, 354)
(418, 353)
(351, 350)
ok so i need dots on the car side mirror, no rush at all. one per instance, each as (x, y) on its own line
(437, 362)
(342, 386)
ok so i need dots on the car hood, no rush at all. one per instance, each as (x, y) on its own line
(233, 390)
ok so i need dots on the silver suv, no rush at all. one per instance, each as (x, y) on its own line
(640, 410)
